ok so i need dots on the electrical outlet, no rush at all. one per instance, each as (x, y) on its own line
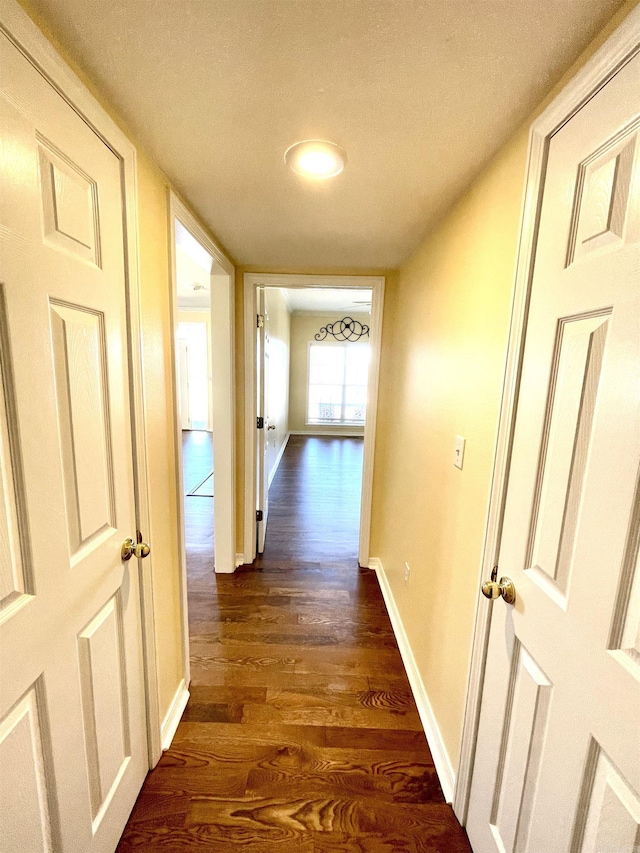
(458, 457)
(407, 573)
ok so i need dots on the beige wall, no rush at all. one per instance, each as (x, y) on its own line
(447, 325)
(303, 329)
(277, 375)
(444, 344)
(153, 222)
(159, 402)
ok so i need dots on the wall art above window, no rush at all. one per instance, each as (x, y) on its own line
(346, 329)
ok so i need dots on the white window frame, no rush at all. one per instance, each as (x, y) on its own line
(337, 423)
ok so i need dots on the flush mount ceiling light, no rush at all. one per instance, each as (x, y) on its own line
(315, 158)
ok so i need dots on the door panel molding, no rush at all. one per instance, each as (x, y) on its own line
(32, 43)
(619, 49)
(252, 281)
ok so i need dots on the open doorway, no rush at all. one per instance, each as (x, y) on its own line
(194, 269)
(312, 356)
(202, 356)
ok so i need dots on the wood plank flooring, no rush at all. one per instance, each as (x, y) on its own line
(301, 733)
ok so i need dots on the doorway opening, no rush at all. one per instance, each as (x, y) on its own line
(202, 312)
(312, 348)
(195, 267)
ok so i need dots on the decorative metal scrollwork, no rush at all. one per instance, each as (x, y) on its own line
(346, 329)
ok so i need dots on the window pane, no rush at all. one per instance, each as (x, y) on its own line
(326, 365)
(357, 372)
(195, 335)
(356, 394)
(325, 402)
(338, 378)
(354, 413)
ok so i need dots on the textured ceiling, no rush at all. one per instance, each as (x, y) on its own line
(420, 93)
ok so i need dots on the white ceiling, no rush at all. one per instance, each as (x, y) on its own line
(193, 271)
(327, 301)
(420, 93)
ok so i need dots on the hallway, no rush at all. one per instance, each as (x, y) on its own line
(314, 502)
(301, 733)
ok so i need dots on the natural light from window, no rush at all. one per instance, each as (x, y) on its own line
(338, 377)
(194, 336)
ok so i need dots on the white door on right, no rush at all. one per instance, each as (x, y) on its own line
(262, 470)
(558, 757)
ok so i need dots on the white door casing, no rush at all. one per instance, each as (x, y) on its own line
(557, 764)
(252, 283)
(262, 407)
(73, 735)
(221, 348)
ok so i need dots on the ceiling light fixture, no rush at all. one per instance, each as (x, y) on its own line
(316, 158)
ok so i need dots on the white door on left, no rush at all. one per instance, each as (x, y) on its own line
(73, 750)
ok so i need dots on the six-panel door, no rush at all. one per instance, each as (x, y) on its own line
(558, 757)
(72, 719)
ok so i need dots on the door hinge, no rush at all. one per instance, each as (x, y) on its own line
(261, 321)
(260, 423)
(259, 515)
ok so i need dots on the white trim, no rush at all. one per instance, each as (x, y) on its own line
(618, 50)
(279, 459)
(177, 433)
(252, 281)
(239, 560)
(174, 714)
(441, 760)
(326, 430)
(30, 40)
(221, 343)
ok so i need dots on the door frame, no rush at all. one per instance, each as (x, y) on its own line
(31, 41)
(252, 281)
(221, 344)
(619, 48)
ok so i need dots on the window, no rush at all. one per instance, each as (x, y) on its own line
(197, 378)
(338, 376)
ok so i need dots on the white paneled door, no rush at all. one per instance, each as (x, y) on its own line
(557, 767)
(73, 749)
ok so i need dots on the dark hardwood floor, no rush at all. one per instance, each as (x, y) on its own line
(301, 733)
(314, 502)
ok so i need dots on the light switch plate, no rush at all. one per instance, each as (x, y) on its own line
(458, 458)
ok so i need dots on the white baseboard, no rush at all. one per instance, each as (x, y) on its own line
(176, 709)
(277, 462)
(347, 433)
(240, 561)
(443, 765)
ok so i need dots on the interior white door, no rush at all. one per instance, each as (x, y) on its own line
(73, 747)
(558, 755)
(262, 468)
(183, 378)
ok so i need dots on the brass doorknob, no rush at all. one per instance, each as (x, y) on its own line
(135, 549)
(504, 587)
